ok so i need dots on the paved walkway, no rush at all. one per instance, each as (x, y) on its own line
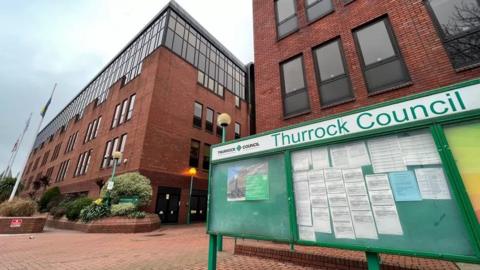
(171, 247)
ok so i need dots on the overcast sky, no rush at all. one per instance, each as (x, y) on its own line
(68, 42)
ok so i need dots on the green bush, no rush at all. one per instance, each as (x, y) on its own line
(128, 185)
(94, 211)
(6, 187)
(123, 209)
(54, 202)
(18, 207)
(49, 195)
(137, 214)
(74, 207)
(58, 211)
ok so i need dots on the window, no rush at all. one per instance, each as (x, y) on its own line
(87, 133)
(333, 81)
(131, 104)
(107, 154)
(124, 112)
(49, 172)
(206, 156)
(382, 63)
(92, 130)
(62, 171)
(237, 130)
(116, 116)
(96, 128)
(318, 8)
(116, 144)
(295, 94)
(194, 153)
(82, 164)
(286, 17)
(45, 158)
(197, 115)
(237, 102)
(459, 25)
(71, 142)
(209, 120)
(36, 163)
(56, 151)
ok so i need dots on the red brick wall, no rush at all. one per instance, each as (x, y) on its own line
(425, 57)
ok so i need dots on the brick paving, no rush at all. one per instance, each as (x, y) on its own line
(171, 247)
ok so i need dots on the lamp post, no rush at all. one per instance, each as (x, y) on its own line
(223, 120)
(116, 155)
(192, 172)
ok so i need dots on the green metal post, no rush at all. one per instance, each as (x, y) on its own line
(220, 237)
(107, 194)
(212, 252)
(190, 200)
(373, 260)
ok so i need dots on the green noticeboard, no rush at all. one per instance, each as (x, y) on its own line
(389, 190)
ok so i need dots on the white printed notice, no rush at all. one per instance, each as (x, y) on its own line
(386, 218)
(377, 182)
(304, 216)
(316, 175)
(432, 184)
(301, 160)
(342, 222)
(300, 176)
(364, 224)
(306, 233)
(386, 155)
(301, 191)
(320, 158)
(349, 155)
(419, 149)
(321, 220)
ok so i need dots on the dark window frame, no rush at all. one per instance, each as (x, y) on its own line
(206, 159)
(239, 134)
(209, 125)
(197, 121)
(278, 23)
(310, 21)
(398, 56)
(190, 163)
(346, 74)
(285, 95)
(445, 39)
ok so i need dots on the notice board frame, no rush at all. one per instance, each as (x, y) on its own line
(435, 125)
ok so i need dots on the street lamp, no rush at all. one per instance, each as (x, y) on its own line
(116, 156)
(192, 172)
(223, 120)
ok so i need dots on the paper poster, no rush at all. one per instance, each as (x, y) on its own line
(419, 149)
(301, 191)
(320, 158)
(319, 201)
(342, 222)
(301, 160)
(404, 186)
(321, 220)
(356, 188)
(306, 233)
(377, 182)
(359, 202)
(335, 187)
(432, 184)
(339, 157)
(316, 175)
(236, 184)
(304, 216)
(349, 155)
(248, 182)
(352, 175)
(364, 224)
(337, 200)
(381, 197)
(387, 220)
(317, 188)
(386, 155)
(333, 174)
(300, 176)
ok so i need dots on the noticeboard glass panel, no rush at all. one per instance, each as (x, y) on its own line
(249, 197)
(388, 192)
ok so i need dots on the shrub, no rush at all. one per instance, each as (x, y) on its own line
(6, 187)
(58, 211)
(74, 207)
(123, 209)
(54, 202)
(18, 207)
(137, 214)
(49, 195)
(94, 211)
(130, 184)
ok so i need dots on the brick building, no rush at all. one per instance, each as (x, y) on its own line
(316, 58)
(157, 102)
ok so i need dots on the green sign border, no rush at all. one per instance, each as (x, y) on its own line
(436, 127)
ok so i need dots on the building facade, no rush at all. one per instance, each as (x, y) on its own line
(156, 102)
(315, 58)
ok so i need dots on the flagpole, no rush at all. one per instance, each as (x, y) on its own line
(22, 169)
(19, 142)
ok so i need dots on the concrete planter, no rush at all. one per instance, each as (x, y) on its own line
(15, 225)
(108, 225)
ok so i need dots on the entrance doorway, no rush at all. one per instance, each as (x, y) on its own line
(168, 204)
(198, 207)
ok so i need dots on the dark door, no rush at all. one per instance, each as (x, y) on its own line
(198, 209)
(168, 200)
